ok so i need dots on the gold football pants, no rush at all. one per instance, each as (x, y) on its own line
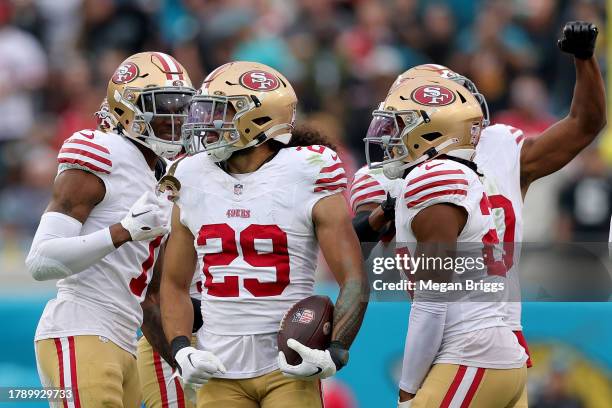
(100, 373)
(449, 385)
(272, 390)
(158, 391)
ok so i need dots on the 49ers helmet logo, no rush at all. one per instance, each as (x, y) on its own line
(127, 72)
(433, 95)
(259, 81)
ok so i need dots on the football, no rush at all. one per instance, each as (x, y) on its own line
(309, 321)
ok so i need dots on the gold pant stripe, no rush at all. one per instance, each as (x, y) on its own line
(158, 390)
(458, 386)
(100, 373)
(161, 381)
(463, 387)
(66, 358)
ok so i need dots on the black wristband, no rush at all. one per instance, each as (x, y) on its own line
(361, 225)
(197, 314)
(178, 343)
(339, 354)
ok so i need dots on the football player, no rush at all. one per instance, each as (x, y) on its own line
(431, 127)
(509, 162)
(252, 214)
(160, 386)
(101, 233)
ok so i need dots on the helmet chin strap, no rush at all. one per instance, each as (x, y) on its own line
(396, 168)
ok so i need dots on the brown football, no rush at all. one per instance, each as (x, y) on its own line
(309, 321)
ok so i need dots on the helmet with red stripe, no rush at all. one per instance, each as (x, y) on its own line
(421, 119)
(241, 104)
(148, 96)
(440, 71)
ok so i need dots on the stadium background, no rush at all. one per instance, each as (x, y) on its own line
(341, 56)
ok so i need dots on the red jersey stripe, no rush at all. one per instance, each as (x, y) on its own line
(330, 188)
(434, 184)
(331, 179)
(88, 154)
(364, 186)
(434, 174)
(519, 138)
(362, 178)
(90, 144)
(331, 168)
(436, 194)
(364, 197)
(83, 163)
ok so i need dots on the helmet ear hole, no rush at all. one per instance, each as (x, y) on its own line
(262, 120)
(430, 137)
(119, 111)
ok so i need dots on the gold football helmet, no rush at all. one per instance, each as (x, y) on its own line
(149, 93)
(440, 71)
(421, 119)
(240, 104)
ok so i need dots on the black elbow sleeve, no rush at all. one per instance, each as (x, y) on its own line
(361, 225)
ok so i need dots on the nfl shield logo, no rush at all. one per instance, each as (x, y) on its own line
(238, 189)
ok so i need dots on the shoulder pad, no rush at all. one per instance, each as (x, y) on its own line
(86, 150)
(437, 181)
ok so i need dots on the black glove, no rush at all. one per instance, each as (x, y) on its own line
(578, 39)
(388, 207)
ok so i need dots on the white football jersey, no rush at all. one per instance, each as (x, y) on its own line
(447, 181)
(195, 289)
(256, 246)
(372, 186)
(498, 156)
(105, 298)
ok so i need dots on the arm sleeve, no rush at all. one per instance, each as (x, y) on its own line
(423, 340)
(58, 250)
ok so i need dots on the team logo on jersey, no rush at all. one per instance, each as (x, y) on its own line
(238, 189)
(259, 81)
(238, 213)
(302, 315)
(125, 73)
(433, 95)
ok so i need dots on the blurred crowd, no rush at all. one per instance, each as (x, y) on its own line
(341, 56)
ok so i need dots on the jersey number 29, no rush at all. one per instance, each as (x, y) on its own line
(278, 258)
